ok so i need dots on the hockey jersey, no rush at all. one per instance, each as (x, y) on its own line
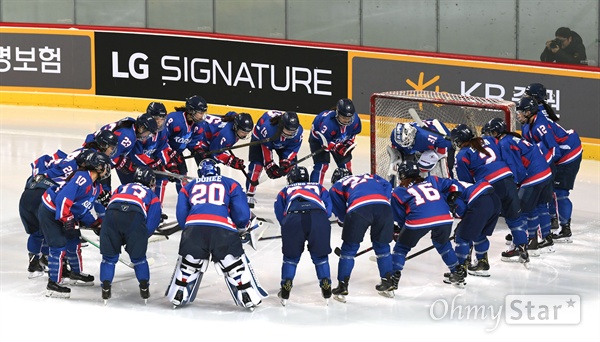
(213, 201)
(423, 205)
(326, 124)
(525, 160)
(302, 196)
(150, 150)
(470, 193)
(355, 191)
(44, 163)
(141, 196)
(263, 129)
(557, 144)
(214, 134)
(473, 166)
(75, 198)
(424, 139)
(126, 135)
(179, 131)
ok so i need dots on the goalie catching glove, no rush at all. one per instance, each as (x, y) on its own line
(273, 170)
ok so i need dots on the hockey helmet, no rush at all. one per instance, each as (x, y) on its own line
(408, 169)
(107, 142)
(290, 123)
(100, 163)
(405, 134)
(344, 112)
(208, 167)
(526, 108)
(298, 174)
(461, 134)
(537, 91)
(495, 127)
(84, 154)
(196, 105)
(339, 173)
(159, 112)
(145, 127)
(243, 123)
(144, 175)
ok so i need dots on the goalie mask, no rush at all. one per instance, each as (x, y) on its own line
(405, 134)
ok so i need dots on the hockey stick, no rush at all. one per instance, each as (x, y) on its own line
(252, 182)
(425, 250)
(262, 238)
(252, 143)
(173, 175)
(417, 119)
(338, 251)
(129, 264)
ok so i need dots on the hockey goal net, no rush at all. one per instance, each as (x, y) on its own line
(391, 107)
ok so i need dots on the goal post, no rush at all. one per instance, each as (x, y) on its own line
(391, 107)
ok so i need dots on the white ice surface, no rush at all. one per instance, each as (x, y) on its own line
(26, 314)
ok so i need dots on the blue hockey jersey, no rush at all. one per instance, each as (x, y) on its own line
(424, 139)
(525, 160)
(302, 196)
(326, 124)
(126, 135)
(214, 134)
(213, 201)
(423, 205)
(355, 191)
(179, 131)
(557, 144)
(470, 193)
(263, 129)
(140, 196)
(150, 150)
(46, 162)
(75, 198)
(473, 166)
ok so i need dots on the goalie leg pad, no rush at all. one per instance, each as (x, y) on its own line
(186, 279)
(241, 281)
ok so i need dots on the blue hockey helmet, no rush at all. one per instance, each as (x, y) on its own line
(408, 169)
(495, 127)
(144, 175)
(460, 135)
(145, 127)
(159, 112)
(298, 174)
(196, 105)
(84, 154)
(107, 142)
(344, 112)
(526, 108)
(243, 123)
(98, 162)
(208, 167)
(290, 123)
(339, 173)
(537, 91)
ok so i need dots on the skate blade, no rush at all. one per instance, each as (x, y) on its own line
(340, 298)
(36, 274)
(53, 294)
(510, 259)
(479, 273)
(146, 301)
(105, 302)
(283, 302)
(327, 301)
(386, 294)
(508, 242)
(460, 285)
(68, 281)
(563, 240)
(534, 253)
(547, 250)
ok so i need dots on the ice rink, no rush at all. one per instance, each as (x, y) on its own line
(424, 307)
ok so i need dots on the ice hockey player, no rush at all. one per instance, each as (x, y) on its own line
(431, 148)
(359, 202)
(182, 126)
(58, 215)
(303, 209)
(421, 206)
(334, 131)
(218, 133)
(478, 207)
(280, 132)
(213, 211)
(567, 153)
(533, 176)
(133, 214)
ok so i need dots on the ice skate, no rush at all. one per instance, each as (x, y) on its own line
(481, 268)
(457, 278)
(284, 292)
(532, 247)
(325, 285)
(564, 235)
(386, 287)
(341, 291)
(145, 290)
(35, 269)
(106, 291)
(547, 245)
(178, 300)
(78, 279)
(56, 290)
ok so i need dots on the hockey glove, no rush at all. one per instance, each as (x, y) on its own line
(344, 148)
(236, 163)
(125, 165)
(273, 170)
(156, 164)
(396, 232)
(452, 201)
(68, 223)
(96, 226)
(104, 198)
(330, 147)
(201, 154)
(286, 166)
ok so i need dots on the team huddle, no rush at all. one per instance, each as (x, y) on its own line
(526, 179)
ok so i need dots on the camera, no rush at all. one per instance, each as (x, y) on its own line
(554, 43)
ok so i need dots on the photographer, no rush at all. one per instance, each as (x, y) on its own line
(566, 48)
